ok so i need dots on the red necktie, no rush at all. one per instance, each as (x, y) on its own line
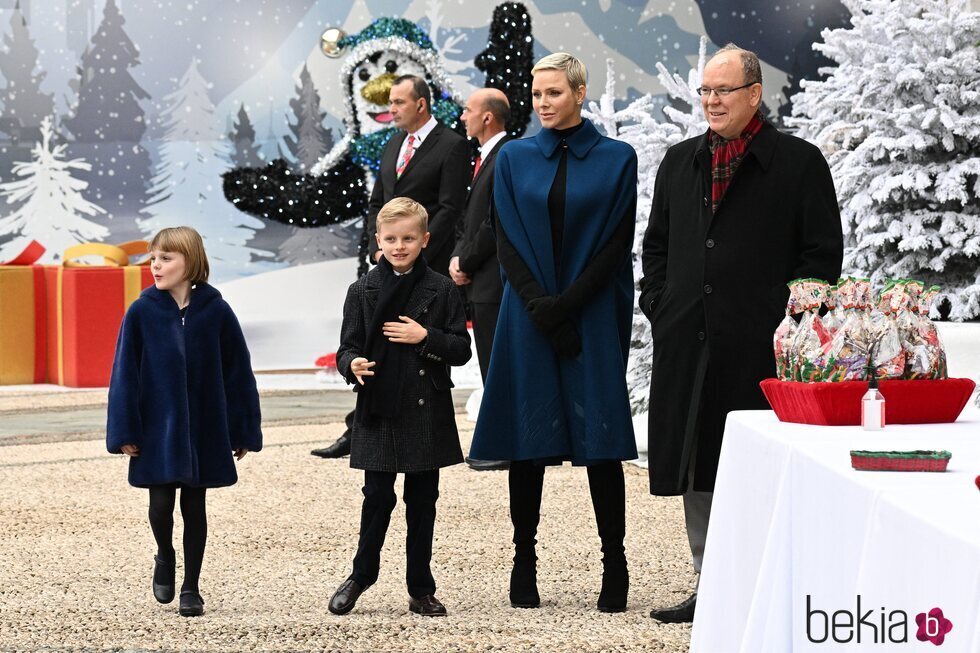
(409, 151)
(476, 165)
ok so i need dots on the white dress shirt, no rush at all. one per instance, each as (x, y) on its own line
(420, 137)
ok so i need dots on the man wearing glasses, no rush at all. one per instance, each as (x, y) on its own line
(737, 213)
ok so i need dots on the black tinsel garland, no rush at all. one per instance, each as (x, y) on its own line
(508, 60)
(277, 193)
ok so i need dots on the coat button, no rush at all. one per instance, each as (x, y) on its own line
(421, 402)
(700, 335)
(709, 243)
(421, 372)
(707, 289)
(705, 201)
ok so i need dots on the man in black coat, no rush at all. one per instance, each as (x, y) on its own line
(426, 162)
(737, 213)
(474, 264)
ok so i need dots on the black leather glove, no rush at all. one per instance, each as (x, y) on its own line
(546, 313)
(566, 340)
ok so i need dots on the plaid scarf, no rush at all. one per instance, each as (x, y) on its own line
(726, 157)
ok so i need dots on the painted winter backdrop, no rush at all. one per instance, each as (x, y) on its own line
(155, 101)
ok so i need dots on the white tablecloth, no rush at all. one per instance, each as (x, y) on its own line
(791, 518)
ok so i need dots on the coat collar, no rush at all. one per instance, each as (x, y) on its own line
(579, 143)
(422, 295)
(762, 148)
(201, 294)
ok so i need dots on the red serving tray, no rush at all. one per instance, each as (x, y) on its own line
(839, 404)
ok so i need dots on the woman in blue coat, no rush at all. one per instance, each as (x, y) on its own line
(182, 403)
(565, 205)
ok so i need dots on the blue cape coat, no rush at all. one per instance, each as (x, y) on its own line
(537, 405)
(185, 395)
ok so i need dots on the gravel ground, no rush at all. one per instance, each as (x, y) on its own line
(78, 552)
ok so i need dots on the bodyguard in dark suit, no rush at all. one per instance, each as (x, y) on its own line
(426, 162)
(474, 264)
(737, 213)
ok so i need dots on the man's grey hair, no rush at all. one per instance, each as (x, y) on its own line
(750, 62)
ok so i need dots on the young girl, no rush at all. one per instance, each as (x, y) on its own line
(182, 403)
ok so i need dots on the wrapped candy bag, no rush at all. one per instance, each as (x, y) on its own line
(834, 317)
(887, 353)
(907, 321)
(932, 364)
(812, 341)
(782, 339)
(849, 350)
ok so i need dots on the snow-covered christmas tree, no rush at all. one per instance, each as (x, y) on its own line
(22, 98)
(310, 139)
(899, 121)
(109, 123)
(187, 187)
(245, 153)
(51, 206)
(639, 125)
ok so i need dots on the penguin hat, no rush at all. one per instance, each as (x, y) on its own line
(373, 59)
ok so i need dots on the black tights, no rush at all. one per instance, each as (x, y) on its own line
(194, 512)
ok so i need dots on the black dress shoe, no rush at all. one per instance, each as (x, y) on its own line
(191, 604)
(427, 606)
(683, 613)
(338, 449)
(344, 599)
(487, 465)
(163, 580)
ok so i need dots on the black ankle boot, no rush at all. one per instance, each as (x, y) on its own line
(615, 586)
(524, 583)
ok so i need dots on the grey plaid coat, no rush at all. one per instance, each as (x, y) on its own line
(423, 437)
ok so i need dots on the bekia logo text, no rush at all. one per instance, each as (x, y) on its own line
(873, 626)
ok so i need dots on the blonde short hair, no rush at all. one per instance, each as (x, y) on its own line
(186, 241)
(403, 207)
(573, 68)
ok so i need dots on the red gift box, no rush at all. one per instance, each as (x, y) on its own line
(839, 404)
(85, 306)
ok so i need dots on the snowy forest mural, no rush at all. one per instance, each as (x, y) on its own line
(119, 117)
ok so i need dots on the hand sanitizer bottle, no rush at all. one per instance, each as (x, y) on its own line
(873, 407)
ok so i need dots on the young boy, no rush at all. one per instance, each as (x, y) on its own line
(403, 327)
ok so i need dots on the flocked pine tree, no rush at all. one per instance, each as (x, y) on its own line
(51, 205)
(310, 139)
(108, 125)
(638, 125)
(187, 187)
(22, 98)
(245, 153)
(899, 122)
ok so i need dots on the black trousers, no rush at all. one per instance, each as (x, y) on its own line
(421, 493)
(484, 326)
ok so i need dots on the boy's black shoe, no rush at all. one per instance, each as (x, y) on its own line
(344, 599)
(338, 449)
(682, 613)
(191, 604)
(427, 606)
(487, 465)
(163, 580)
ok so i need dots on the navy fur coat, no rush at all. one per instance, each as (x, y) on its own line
(184, 394)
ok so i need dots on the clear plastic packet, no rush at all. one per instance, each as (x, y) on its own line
(848, 357)
(834, 316)
(887, 352)
(934, 366)
(811, 343)
(782, 339)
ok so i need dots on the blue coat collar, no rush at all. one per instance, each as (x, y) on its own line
(200, 295)
(579, 143)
